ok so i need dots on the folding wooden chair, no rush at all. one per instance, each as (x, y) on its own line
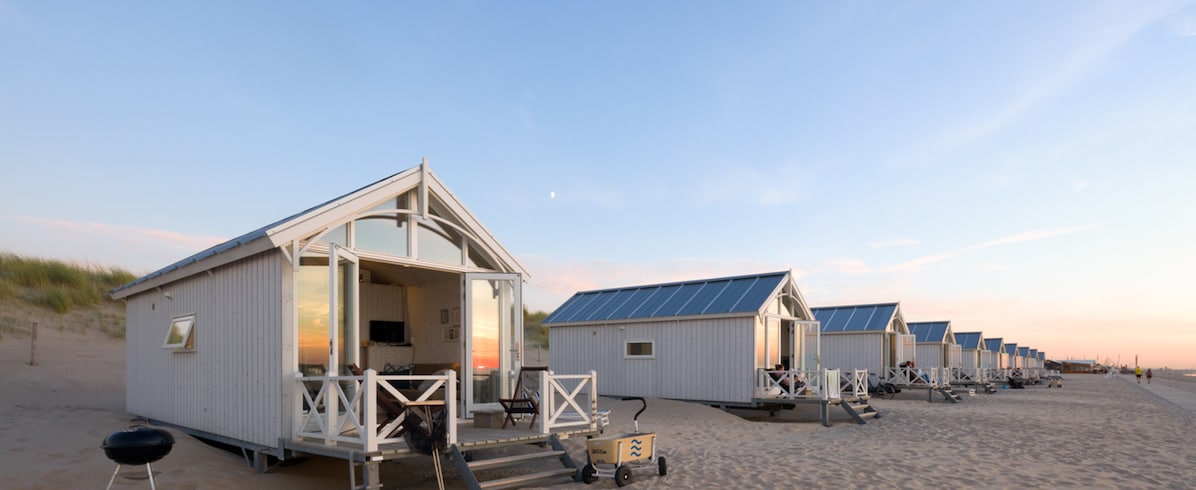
(526, 398)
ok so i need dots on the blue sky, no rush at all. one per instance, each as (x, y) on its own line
(1023, 169)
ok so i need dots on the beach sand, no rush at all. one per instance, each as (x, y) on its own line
(1095, 432)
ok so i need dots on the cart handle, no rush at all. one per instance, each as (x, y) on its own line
(637, 414)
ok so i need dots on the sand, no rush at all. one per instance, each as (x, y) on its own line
(1095, 432)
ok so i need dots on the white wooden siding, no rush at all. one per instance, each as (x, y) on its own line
(850, 351)
(231, 385)
(970, 359)
(701, 359)
(930, 355)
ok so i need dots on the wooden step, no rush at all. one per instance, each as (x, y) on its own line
(521, 480)
(481, 464)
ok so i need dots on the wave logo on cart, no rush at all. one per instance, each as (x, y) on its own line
(637, 447)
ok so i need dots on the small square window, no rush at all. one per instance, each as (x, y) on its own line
(181, 334)
(640, 349)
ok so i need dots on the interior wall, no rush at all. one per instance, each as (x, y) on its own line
(430, 304)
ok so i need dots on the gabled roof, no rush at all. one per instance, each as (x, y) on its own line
(1011, 349)
(329, 213)
(970, 340)
(746, 295)
(857, 318)
(932, 332)
(994, 345)
(1041, 356)
(1023, 352)
(1033, 353)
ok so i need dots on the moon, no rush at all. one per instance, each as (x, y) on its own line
(552, 195)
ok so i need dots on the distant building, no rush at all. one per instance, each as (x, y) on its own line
(1085, 366)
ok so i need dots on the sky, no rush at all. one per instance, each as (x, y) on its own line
(1023, 169)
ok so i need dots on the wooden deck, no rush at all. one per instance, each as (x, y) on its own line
(469, 438)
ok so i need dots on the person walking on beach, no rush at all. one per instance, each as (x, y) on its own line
(1138, 374)
(1149, 374)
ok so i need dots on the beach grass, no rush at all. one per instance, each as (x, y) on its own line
(57, 285)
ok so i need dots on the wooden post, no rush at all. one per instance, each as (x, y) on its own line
(33, 347)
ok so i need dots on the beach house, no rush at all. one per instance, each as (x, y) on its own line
(993, 356)
(972, 359)
(287, 339)
(1011, 361)
(873, 337)
(938, 352)
(716, 341)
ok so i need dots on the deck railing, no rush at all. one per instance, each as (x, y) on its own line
(822, 384)
(570, 400)
(906, 376)
(345, 408)
(858, 383)
(788, 385)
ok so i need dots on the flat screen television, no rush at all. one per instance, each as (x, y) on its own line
(388, 332)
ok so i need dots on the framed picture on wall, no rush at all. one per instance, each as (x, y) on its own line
(452, 334)
(444, 316)
(457, 316)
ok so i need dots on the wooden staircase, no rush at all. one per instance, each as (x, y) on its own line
(567, 472)
(860, 409)
(949, 393)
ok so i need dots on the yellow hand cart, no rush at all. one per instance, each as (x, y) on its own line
(615, 456)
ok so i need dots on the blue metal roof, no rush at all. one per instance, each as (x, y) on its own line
(1023, 352)
(740, 294)
(993, 345)
(859, 318)
(930, 332)
(1042, 356)
(968, 340)
(1033, 353)
(1011, 349)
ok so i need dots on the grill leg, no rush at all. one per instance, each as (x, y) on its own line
(110, 480)
(150, 471)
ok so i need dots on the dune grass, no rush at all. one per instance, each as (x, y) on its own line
(57, 285)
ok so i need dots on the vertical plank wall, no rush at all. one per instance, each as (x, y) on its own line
(230, 384)
(703, 359)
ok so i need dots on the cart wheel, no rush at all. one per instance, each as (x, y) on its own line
(587, 474)
(623, 476)
(663, 466)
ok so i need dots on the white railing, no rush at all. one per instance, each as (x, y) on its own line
(345, 408)
(906, 376)
(859, 383)
(782, 384)
(570, 400)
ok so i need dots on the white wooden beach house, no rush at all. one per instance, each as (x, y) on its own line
(250, 342)
(1011, 359)
(994, 353)
(972, 368)
(938, 352)
(701, 340)
(872, 337)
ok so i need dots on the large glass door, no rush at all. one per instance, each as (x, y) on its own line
(493, 329)
(343, 316)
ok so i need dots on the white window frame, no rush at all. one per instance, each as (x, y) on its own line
(627, 347)
(187, 324)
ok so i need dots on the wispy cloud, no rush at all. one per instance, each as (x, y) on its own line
(1027, 236)
(894, 242)
(1186, 26)
(1101, 38)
